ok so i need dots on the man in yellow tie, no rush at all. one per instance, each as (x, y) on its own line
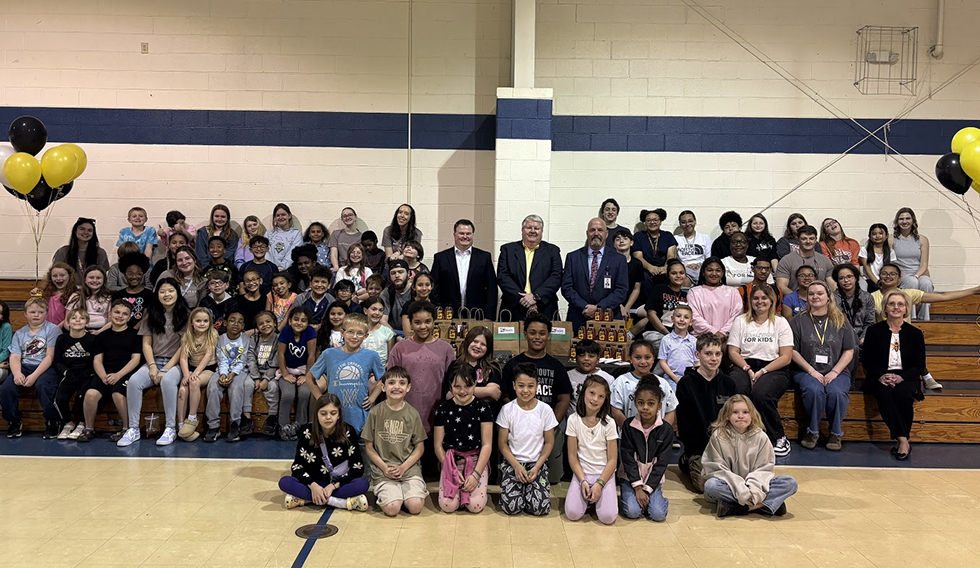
(529, 272)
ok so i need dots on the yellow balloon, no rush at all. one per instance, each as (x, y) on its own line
(58, 166)
(964, 138)
(23, 171)
(969, 160)
(80, 156)
(976, 186)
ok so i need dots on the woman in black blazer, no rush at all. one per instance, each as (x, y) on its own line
(894, 357)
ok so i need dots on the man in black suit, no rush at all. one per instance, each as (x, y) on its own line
(534, 290)
(464, 275)
(596, 277)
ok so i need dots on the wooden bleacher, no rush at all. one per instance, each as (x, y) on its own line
(951, 416)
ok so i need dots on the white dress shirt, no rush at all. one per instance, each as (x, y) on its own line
(463, 270)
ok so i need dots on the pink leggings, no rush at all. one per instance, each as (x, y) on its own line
(478, 498)
(607, 509)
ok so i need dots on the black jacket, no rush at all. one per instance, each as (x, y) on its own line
(698, 403)
(636, 449)
(874, 354)
(546, 274)
(481, 282)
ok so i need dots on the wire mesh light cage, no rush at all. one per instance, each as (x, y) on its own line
(886, 60)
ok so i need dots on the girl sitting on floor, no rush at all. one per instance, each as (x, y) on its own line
(327, 469)
(738, 464)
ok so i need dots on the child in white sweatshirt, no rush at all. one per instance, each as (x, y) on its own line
(231, 377)
(738, 464)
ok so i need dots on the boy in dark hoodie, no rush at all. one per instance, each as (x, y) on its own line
(701, 393)
(730, 222)
(644, 451)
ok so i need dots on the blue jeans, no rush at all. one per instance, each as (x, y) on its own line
(780, 489)
(656, 509)
(818, 398)
(45, 386)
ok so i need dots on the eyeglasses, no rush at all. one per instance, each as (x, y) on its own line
(889, 274)
(252, 280)
(353, 333)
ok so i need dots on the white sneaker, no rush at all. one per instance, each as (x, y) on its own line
(66, 431)
(930, 383)
(168, 437)
(77, 432)
(131, 435)
(782, 447)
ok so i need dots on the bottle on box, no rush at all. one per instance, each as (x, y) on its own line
(438, 312)
(621, 335)
(448, 312)
(602, 333)
(590, 333)
(581, 332)
(607, 314)
(435, 332)
(571, 354)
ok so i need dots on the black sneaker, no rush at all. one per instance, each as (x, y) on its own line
(727, 510)
(50, 430)
(234, 432)
(212, 435)
(271, 426)
(87, 435)
(247, 427)
(117, 436)
(13, 430)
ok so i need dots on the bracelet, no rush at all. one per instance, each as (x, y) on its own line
(763, 370)
(600, 482)
(747, 368)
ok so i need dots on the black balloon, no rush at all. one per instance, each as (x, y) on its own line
(951, 174)
(15, 193)
(28, 134)
(64, 190)
(41, 196)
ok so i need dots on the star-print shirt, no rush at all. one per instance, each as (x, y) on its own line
(463, 424)
(311, 464)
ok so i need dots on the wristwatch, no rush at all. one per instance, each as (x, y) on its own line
(763, 370)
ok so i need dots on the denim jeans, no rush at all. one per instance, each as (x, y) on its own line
(45, 387)
(818, 398)
(656, 509)
(780, 489)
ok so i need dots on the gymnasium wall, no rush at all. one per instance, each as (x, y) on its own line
(657, 107)
(252, 102)
(329, 103)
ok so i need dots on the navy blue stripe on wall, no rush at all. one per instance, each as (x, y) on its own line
(514, 119)
(748, 135)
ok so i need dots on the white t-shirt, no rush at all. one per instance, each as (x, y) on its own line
(592, 448)
(878, 261)
(578, 379)
(763, 341)
(895, 353)
(624, 391)
(693, 251)
(738, 273)
(526, 428)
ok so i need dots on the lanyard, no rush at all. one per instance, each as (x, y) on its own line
(820, 336)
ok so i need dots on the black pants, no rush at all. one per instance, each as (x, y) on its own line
(72, 387)
(765, 394)
(895, 403)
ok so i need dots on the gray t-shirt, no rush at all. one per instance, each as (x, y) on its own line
(342, 241)
(164, 344)
(823, 355)
(789, 264)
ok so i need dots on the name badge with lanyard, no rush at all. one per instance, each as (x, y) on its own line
(607, 282)
(821, 354)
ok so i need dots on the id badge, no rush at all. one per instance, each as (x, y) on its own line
(607, 282)
(821, 355)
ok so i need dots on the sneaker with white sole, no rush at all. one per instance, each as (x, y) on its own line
(168, 437)
(292, 502)
(66, 431)
(131, 435)
(931, 383)
(359, 503)
(782, 447)
(77, 432)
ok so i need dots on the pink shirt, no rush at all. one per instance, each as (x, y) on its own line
(714, 308)
(426, 364)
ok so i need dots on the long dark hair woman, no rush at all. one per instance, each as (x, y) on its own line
(83, 248)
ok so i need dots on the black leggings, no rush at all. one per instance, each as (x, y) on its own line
(765, 394)
(895, 403)
(70, 388)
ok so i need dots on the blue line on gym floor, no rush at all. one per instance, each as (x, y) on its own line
(304, 552)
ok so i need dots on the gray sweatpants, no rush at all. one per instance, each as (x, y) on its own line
(289, 393)
(140, 381)
(271, 395)
(236, 403)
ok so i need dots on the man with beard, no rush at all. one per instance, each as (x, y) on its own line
(398, 295)
(595, 277)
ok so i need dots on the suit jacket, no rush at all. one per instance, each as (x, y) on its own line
(481, 282)
(874, 354)
(575, 283)
(545, 278)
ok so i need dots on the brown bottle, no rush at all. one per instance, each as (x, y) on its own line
(598, 315)
(435, 332)
(452, 332)
(606, 353)
(439, 313)
(590, 333)
(621, 335)
(449, 312)
(581, 332)
(607, 314)
(571, 354)
(602, 333)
